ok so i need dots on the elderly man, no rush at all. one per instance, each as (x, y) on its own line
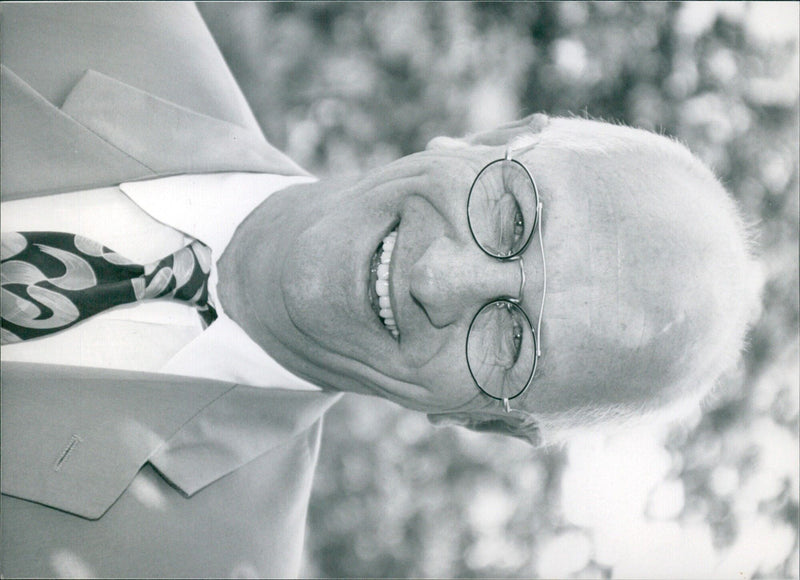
(548, 274)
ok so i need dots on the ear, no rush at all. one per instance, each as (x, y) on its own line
(496, 137)
(515, 424)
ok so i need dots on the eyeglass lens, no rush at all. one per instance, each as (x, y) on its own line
(502, 208)
(502, 215)
(501, 349)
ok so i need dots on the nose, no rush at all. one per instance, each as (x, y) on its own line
(451, 281)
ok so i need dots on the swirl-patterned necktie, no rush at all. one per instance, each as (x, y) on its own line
(53, 280)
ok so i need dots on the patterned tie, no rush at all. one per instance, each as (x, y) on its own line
(52, 280)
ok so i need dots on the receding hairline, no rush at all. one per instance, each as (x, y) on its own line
(606, 139)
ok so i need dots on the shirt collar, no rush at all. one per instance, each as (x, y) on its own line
(210, 207)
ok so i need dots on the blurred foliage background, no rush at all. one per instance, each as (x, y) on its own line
(343, 87)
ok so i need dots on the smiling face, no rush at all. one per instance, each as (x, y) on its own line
(370, 285)
(321, 306)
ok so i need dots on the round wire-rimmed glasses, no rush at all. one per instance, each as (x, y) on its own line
(503, 212)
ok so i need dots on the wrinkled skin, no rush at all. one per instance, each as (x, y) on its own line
(642, 258)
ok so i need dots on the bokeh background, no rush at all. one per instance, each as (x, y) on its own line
(343, 87)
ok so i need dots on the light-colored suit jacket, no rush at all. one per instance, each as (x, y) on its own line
(112, 473)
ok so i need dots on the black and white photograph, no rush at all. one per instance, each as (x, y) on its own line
(400, 290)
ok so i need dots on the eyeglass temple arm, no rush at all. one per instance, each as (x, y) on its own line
(544, 285)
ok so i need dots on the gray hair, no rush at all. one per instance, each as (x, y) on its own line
(741, 297)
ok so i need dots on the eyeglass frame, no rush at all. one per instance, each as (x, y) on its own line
(514, 257)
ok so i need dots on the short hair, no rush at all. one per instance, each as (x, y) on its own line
(738, 295)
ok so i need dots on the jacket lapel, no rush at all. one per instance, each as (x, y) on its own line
(108, 132)
(246, 422)
(43, 150)
(74, 438)
(167, 138)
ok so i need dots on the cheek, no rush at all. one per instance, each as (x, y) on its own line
(315, 279)
(447, 379)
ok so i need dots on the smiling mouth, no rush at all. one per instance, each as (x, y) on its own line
(379, 283)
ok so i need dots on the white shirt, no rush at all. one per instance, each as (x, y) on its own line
(145, 221)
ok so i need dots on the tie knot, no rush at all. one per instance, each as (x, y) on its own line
(182, 276)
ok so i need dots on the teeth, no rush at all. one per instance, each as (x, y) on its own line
(382, 284)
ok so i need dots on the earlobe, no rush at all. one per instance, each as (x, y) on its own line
(500, 136)
(497, 137)
(515, 424)
(537, 122)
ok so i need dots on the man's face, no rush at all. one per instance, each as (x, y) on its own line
(624, 239)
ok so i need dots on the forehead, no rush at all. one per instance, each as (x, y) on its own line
(626, 238)
(611, 215)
